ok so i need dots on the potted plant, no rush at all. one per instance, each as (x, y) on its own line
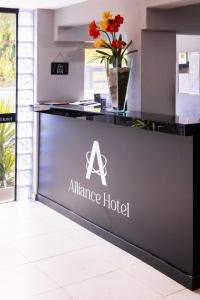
(115, 55)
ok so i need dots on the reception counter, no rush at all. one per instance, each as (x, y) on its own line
(131, 178)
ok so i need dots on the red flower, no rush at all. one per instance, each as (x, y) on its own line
(119, 19)
(113, 26)
(93, 30)
(115, 44)
(118, 44)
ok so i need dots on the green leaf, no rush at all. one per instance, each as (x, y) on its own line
(103, 53)
(130, 52)
(126, 61)
(127, 46)
(94, 59)
(138, 124)
(7, 145)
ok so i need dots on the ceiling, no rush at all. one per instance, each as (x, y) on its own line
(167, 4)
(53, 4)
(48, 4)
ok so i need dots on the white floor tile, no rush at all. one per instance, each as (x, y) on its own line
(153, 278)
(115, 255)
(58, 294)
(24, 228)
(14, 214)
(113, 286)
(38, 210)
(24, 281)
(76, 266)
(10, 256)
(17, 210)
(185, 295)
(86, 237)
(49, 245)
(90, 268)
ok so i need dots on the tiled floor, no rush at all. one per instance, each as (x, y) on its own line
(45, 256)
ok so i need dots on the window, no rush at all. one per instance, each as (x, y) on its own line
(95, 75)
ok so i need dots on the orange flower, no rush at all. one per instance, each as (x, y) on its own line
(107, 16)
(93, 30)
(99, 43)
(103, 25)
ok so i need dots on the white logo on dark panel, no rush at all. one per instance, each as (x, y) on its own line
(101, 160)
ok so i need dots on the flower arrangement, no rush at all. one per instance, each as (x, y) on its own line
(118, 48)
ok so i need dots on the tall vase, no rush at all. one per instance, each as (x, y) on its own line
(118, 79)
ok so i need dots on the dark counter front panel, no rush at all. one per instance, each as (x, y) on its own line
(148, 197)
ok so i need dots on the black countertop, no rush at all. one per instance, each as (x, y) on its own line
(153, 122)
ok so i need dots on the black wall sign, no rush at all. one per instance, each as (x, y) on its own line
(59, 68)
(7, 118)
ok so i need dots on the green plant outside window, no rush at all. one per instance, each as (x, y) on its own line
(7, 147)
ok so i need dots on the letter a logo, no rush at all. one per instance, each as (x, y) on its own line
(102, 162)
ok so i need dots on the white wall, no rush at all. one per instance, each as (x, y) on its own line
(134, 12)
(181, 19)
(60, 21)
(135, 20)
(57, 87)
(186, 104)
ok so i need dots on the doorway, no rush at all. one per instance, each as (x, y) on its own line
(8, 103)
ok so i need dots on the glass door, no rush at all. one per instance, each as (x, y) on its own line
(8, 103)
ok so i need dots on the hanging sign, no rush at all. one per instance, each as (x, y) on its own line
(58, 68)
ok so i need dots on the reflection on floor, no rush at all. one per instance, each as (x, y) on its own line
(45, 256)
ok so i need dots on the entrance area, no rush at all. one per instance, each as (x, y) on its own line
(8, 103)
